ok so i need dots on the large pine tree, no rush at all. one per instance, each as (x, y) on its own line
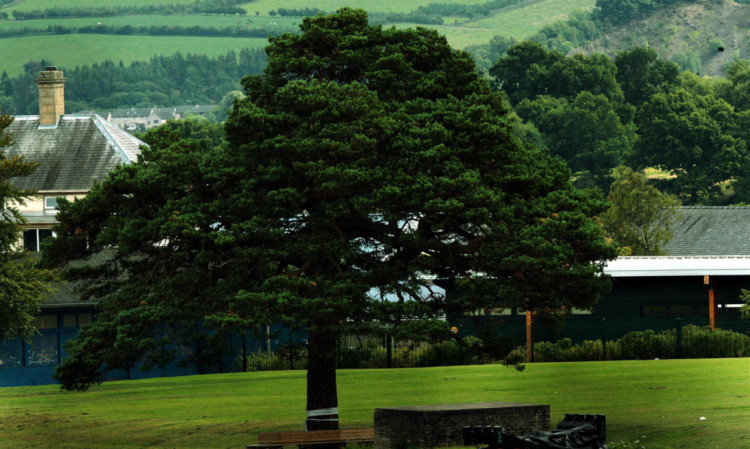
(363, 163)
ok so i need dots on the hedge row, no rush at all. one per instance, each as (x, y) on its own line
(696, 342)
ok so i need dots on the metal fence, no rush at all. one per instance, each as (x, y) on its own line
(352, 351)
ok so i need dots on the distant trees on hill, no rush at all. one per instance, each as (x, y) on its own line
(152, 30)
(597, 113)
(616, 12)
(161, 81)
(223, 7)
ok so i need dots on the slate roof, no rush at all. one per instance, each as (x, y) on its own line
(711, 231)
(199, 109)
(79, 150)
(131, 113)
(164, 113)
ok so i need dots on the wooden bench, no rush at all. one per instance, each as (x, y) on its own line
(313, 438)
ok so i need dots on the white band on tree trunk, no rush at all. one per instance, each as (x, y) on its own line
(323, 412)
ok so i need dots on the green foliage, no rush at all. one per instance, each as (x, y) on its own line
(617, 12)
(362, 162)
(640, 217)
(745, 309)
(693, 137)
(641, 74)
(687, 61)
(23, 287)
(585, 131)
(697, 342)
(433, 13)
(529, 70)
(162, 81)
(578, 29)
(486, 56)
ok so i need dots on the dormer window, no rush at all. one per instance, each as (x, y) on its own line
(50, 203)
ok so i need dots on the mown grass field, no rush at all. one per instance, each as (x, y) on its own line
(658, 403)
(28, 5)
(519, 21)
(78, 49)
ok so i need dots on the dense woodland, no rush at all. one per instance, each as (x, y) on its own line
(636, 110)
(161, 81)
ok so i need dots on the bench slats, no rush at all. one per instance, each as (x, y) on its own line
(280, 439)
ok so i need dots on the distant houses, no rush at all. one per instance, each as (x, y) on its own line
(141, 119)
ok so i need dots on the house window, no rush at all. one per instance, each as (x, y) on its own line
(33, 237)
(76, 320)
(45, 321)
(50, 203)
(69, 320)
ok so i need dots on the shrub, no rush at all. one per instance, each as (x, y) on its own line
(697, 342)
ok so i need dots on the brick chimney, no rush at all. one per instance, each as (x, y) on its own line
(51, 95)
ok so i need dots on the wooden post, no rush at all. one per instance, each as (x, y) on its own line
(712, 308)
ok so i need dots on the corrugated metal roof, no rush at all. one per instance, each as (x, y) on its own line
(711, 231)
(71, 155)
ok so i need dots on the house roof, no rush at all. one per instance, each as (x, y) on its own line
(164, 113)
(71, 155)
(711, 231)
(195, 109)
(131, 113)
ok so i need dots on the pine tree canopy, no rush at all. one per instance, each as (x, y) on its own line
(363, 164)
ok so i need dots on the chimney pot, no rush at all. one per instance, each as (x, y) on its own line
(50, 68)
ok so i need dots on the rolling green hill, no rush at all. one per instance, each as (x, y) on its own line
(688, 33)
(520, 21)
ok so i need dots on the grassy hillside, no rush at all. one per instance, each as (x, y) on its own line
(27, 5)
(691, 31)
(79, 49)
(659, 403)
(518, 21)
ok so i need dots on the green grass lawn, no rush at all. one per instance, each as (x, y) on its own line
(659, 403)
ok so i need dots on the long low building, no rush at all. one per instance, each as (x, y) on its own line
(699, 282)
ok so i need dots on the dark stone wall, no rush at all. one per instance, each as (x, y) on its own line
(441, 425)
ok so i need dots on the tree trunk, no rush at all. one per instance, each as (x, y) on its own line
(322, 397)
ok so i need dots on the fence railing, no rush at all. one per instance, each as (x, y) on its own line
(683, 341)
